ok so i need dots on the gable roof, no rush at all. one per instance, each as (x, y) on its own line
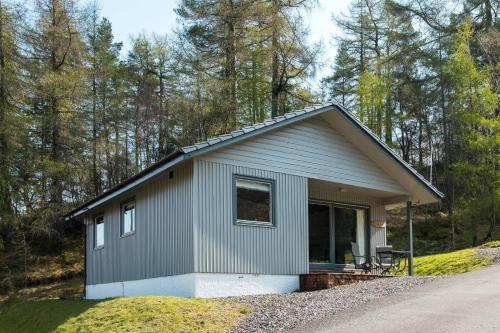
(203, 147)
(259, 128)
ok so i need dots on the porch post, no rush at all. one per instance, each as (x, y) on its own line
(410, 238)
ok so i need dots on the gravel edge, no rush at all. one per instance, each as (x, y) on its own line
(492, 253)
(283, 312)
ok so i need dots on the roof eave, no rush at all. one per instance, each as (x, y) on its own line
(133, 182)
(433, 190)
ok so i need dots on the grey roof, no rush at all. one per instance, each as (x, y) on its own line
(202, 147)
(249, 129)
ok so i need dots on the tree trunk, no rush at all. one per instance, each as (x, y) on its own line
(95, 176)
(56, 186)
(230, 70)
(447, 151)
(5, 198)
(275, 61)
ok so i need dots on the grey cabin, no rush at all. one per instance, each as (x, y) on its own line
(250, 211)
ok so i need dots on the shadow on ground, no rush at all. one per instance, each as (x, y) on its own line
(49, 314)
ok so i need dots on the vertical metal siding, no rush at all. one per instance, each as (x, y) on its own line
(223, 247)
(312, 149)
(377, 210)
(163, 241)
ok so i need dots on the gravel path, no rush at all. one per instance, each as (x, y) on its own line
(493, 253)
(278, 313)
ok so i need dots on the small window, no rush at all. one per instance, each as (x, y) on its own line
(254, 201)
(99, 232)
(128, 218)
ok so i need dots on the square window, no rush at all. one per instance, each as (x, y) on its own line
(254, 201)
(99, 232)
(128, 218)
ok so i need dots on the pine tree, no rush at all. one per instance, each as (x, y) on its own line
(57, 73)
(9, 82)
(371, 94)
(474, 109)
(160, 68)
(342, 84)
(102, 69)
(292, 59)
(215, 32)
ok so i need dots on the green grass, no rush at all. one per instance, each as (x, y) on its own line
(456, 262)
(491, 245)
(130, 314)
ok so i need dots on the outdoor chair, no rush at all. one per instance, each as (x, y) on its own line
(389, 260)
(366, 263)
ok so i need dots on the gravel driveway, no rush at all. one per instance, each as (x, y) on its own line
(278, 313)
(468, 302)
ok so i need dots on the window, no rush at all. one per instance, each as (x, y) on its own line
(99, 232)
(254, 201)
(128, 218)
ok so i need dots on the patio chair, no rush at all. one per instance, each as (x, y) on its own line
(389, 260)
(385, 258)
(363, 262)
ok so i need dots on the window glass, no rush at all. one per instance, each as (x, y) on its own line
(128, 218)
(345, 233)
(319, 233)
(253, 201)
(350, 227)
(99, 231)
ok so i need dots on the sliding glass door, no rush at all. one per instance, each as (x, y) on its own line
(333, 232)
(350, 227)
(319, 233)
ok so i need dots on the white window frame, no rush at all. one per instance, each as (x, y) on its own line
(258, 181)
(134, 220)
(96, 218)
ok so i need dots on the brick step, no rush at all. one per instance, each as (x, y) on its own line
(319, 280)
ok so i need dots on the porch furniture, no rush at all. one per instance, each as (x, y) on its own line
(390, 260)
(366, 263)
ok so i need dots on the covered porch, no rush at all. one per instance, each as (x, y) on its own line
(346, 226)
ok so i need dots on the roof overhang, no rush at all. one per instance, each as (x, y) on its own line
(420, 190)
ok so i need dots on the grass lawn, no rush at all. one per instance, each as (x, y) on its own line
(491, 245)
(130, 314)
(453, 262)
(449, 263)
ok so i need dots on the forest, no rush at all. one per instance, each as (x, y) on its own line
(78, 115)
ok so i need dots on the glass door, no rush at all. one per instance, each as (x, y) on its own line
(333, 231)
(349, 227)
(319, 233)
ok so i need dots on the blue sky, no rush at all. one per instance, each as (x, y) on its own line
(130, 17)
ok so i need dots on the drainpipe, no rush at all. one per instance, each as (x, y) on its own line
(410, 238)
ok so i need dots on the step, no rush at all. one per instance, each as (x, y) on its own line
(318, 280)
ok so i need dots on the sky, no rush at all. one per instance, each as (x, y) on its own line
(130, 17)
